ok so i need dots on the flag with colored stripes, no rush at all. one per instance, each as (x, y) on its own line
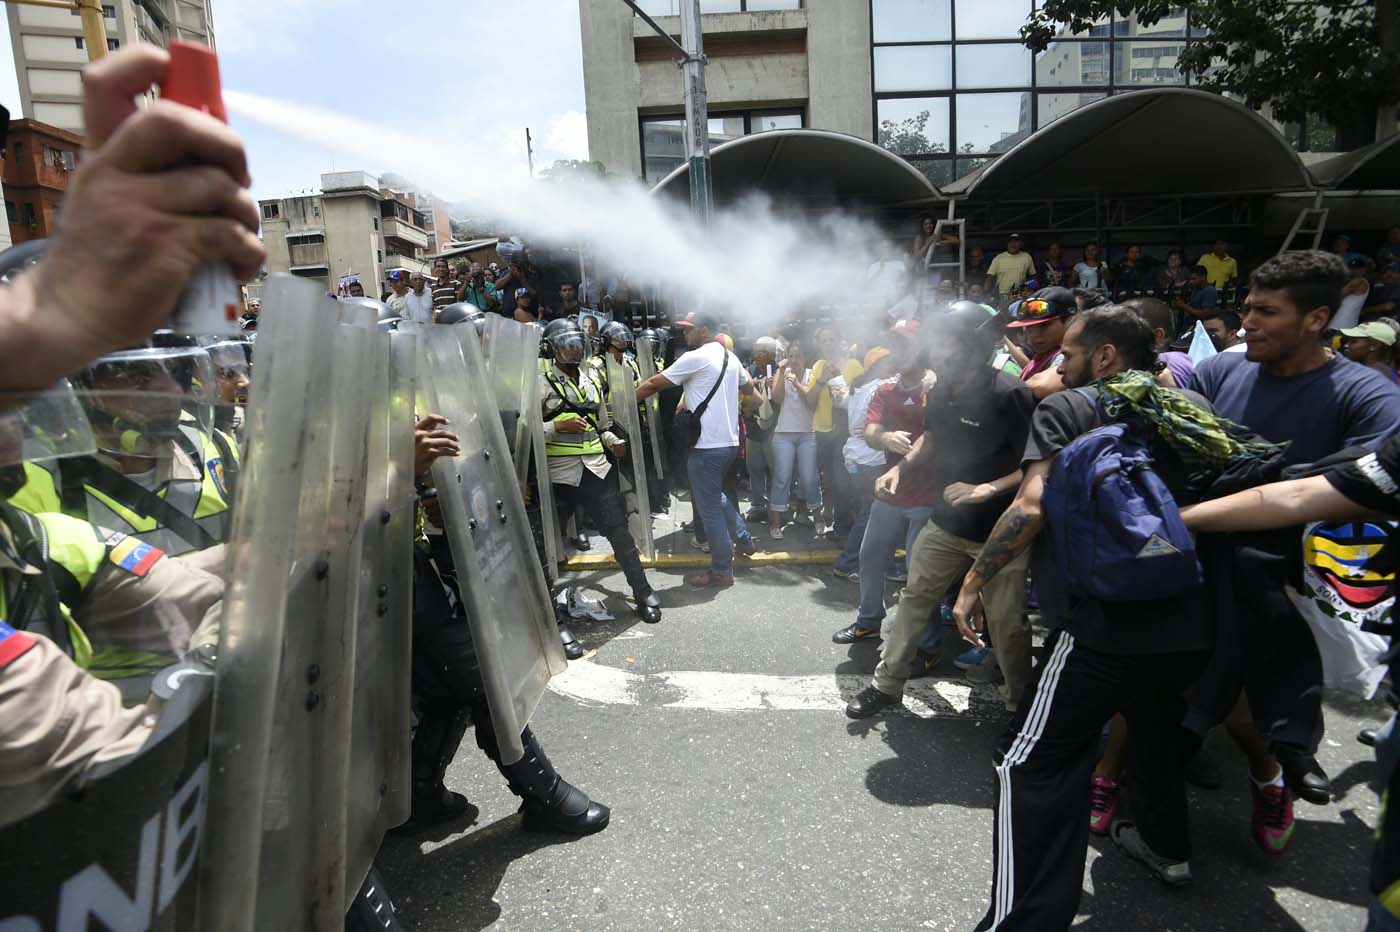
(132, 555)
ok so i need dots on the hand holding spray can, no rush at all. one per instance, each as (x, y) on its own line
(212, 299)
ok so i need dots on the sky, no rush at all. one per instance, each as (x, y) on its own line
(487, 69)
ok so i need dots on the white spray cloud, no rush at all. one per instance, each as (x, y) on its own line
(750, 263)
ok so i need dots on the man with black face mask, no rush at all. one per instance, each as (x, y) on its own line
(975, 424)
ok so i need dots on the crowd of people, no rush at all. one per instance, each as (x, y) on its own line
(1072, 451)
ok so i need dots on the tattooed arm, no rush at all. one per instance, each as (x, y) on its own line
(1014, 531)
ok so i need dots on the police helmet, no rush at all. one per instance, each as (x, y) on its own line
(566, 341)
(616, 335)
(462, 313)
(387, 317)
(19, 258)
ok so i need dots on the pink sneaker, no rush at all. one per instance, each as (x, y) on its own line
(1272, 824)
(1103, 803)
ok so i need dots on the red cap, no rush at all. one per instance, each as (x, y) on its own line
(192, 79)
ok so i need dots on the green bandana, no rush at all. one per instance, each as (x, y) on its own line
(1197, 436)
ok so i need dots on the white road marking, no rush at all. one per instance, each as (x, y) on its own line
(594, 683)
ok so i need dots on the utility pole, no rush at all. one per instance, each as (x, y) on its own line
(529, 152)
(691, 59)
(697, 122)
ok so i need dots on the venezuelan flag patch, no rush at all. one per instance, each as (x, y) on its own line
(12, 644)
(132, 555)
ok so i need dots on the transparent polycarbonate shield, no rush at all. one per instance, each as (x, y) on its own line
(542, 488)
(505, 345)
(632, 467)
(378, 791)
(646, 363)
(42, 426)
(233, 371)
(508, 606)
(285, 692)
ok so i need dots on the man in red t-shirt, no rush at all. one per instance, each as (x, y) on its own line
(894, 421)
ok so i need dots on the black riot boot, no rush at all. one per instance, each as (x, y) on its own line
(551, 803)
(435, 743)
(572, 648)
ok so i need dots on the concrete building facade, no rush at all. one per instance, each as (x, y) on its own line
(353, 228)
(49, 48)
(39, 160)
(947, 84)
(773, 64)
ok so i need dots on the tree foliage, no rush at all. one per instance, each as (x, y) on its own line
(908, 136)
(571, 169)
(1338, 59)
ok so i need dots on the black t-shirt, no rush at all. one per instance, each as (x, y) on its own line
(1156, 626)
(978, 434)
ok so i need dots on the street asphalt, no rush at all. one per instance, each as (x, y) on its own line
(774, 817)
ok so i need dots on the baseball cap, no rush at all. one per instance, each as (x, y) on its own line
(1374, 330)
(906, 328)
(698, 319)
(396, 275)
(1047, 304)
(521, 292)
(1357, 262)
(875, 355)
(1013, 236)
(1345, 236)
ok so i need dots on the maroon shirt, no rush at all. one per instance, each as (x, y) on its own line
(893, 408)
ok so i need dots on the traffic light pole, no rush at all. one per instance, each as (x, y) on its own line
(691, 59)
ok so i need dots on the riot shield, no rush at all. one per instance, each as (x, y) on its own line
(122, 853)
(632, 468)
(289, 823)
(646, 363)
(507, 600)
(543, 488)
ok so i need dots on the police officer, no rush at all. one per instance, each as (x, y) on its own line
(577, 438)
(162, 471)
(617, 342)
(448, 688)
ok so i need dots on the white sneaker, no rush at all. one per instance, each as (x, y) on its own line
(1172, 873)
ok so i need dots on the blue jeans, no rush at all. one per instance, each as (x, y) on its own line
(793, 451)
(863, 486)
(723, 525)
(885, 527)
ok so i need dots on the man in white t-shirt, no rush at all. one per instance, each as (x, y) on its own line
(698, 372)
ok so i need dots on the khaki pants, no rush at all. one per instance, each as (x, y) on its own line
(937, 561)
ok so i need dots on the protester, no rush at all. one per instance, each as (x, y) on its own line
(1171, 278)
(1177, 367)
(1200, 299)
(1371, 344)
(1134, 274)
(1043, 319)
(1220, 267)
(1010, 269)
(1355, 293)
(524, 302)
(794, 443)
(1224, 329)
(1103, 656)
(1053, 269)
(397, 298)
(758, 448)
(974, 433)
(479, 292)
(863, 463)
(1384, 298)
(419, 300)
(1288, 388)
(712, 380)
(1089, 272)
(445, 286)
(834, 374)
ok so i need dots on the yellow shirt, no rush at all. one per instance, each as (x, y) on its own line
(1219, 271)
(851, 370)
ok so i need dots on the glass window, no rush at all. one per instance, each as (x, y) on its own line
(966, 166)
(756, 6)
(913, 67)
(764, 120)
(992, 122)
(724, 128)
(992, 19)
(1148, 62)
(10, 211)
(939, 171)
(913, 125)
(1100, 29)
(911, 20)
(997, 65)
(1170, 25)
(1071, 64)
(1050, 107)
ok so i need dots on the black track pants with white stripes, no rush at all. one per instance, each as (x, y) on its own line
(1047, 756)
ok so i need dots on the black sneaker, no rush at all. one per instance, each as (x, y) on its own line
(869, 701)
(854, 632)
(923, 663)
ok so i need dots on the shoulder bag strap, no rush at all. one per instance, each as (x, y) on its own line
(700, 411)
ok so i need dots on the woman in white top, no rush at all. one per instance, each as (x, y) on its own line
(1354, 295)
(794, 442)
(1090, 272)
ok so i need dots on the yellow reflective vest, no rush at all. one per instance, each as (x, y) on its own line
(566, 398)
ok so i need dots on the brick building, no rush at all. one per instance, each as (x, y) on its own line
(38, 161)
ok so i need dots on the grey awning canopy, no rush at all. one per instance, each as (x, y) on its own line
(1160, 142)
(1370, 168)
(808, 166)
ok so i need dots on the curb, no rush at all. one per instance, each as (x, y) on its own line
(580, 563)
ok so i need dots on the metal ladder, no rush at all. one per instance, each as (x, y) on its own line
(956, 267)
(1310, 223)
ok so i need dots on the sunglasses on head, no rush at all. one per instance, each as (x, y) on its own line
(1036, 309)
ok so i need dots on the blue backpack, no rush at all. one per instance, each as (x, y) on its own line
(1111, 523)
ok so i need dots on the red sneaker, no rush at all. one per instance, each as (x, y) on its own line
(711, 580)
(1272, 824)
(1103, 803)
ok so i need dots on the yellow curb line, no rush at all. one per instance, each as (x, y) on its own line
(603, 561)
